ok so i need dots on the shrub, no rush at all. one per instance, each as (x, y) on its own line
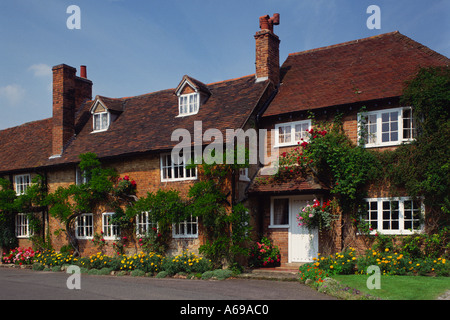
(312, 272)
(38, 266)
(137, 273)
(19, 256)
(339, 263)
(150, 262)
(222, 274)
(52, 258)
(98, 261)
(162, 274)
(207, 275)
(219, 274)
(264, 254)
(187, 262)
(56, 268)
(105, 271)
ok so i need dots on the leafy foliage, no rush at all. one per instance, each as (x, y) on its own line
(331, 156)
(225, 225)
(423, 167)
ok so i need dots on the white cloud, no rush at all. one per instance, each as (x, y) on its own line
(13, 93)
(41, 70)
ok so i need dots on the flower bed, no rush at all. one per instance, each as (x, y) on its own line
(264, 255)
(143, 263)
(19, 256)
(390, 263)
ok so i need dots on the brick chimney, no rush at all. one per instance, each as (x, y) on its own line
(267, 50)
(69, 93)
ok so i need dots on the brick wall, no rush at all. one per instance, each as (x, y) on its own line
(343, 234)
(145, 170)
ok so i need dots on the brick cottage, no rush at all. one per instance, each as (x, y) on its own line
(133, 135)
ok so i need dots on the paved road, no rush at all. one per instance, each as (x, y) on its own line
(26, 284)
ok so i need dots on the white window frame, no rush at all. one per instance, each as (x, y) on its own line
(144, 224)
(88, 230)
(80, 178)
(178, 233)
(100, 115)
(401, 216)
(188, 104)
(243, 174)
(296, 137)
(272, 212)
(379, 125)
(175, 169)
(22, 182)
(22, 226)
(110, 231)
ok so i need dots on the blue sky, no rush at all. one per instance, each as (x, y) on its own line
(133, 47)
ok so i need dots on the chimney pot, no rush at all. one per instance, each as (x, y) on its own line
(83, 72)
(267, 23)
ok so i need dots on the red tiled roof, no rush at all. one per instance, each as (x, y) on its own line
(147, 121)
(144, 124)
(360, 70)
(26, 146)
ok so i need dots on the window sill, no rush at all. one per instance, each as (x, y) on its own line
(280, 226)
(393, 233)
(184, 237)
(97, 131)
(186, 114)
(178, 180)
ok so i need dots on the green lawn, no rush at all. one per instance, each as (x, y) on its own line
(399, 287)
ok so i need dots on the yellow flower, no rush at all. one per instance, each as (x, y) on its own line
(387, 249)
(331, 267)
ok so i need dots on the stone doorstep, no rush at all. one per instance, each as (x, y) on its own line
(287, 271)
(285, 267)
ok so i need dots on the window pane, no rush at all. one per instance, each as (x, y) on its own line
(284, 134)
(96, 122)
(300, 131)
(104, 121)
(280, 211)
(394, 136)
(389, 126)
(371, 128)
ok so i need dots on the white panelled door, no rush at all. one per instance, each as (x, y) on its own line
(303, 243)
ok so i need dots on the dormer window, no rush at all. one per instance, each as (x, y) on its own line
(191, 95)
(189, 104)
(101, 121)
(104, 112)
